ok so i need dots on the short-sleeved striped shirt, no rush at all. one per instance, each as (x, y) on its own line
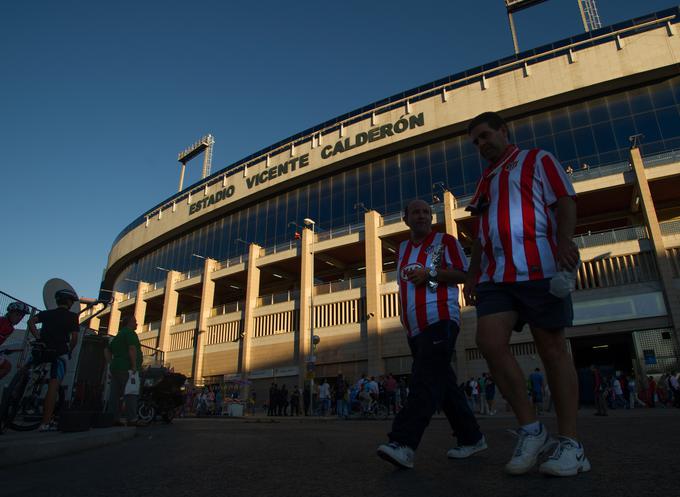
(421, 307)
(517, 225)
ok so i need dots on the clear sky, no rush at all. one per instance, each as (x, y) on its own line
(97, 98)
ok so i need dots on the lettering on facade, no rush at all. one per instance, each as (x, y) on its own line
(373, 134)
(276, 171)
(212, 199)
(293, 164)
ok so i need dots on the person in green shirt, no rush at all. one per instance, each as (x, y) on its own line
(124, 355)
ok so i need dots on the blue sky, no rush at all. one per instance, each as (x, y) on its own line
(97, 98)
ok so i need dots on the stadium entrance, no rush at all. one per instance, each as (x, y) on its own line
(610, 353)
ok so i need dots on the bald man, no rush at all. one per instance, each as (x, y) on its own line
(431, 265)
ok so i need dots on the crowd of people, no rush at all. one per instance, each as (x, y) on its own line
(626, 391)
(339, 397)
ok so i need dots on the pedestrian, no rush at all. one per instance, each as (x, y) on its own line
(431, 265)
(295, 402)
(474, 392)
(271, 407)
(59, 334)
(484, 406)
(599, 391)
(391, 388)
(16, 311)
(537, 387)
(325, 397)
(527, 216)
(651, 392)
(490, 389)
(306, 398)
(124, 356)
(341, 409)
(283, 400)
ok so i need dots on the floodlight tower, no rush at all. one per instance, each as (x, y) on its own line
(589, 15)
(512, 6)
(204, 144)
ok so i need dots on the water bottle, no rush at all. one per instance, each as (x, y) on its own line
(564, 282)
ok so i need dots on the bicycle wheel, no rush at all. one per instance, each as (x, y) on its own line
(381, 412)
(146, 411)
(25, 402)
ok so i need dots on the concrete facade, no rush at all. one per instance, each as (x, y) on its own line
(628, 286)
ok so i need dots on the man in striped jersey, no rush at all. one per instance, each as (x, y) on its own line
(431, 265)
(527, 215)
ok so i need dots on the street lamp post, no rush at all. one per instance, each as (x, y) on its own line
(309, 222)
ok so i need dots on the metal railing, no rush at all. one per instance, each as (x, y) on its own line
(152, 356)
(151, 326)
(281, 247)
(226, 308)
(277, 298)
(339, 285)
(348, 229)
(186, 275)
(231, 262)
(186, 318)
(662, 158)
(670, 227)
(609, 237)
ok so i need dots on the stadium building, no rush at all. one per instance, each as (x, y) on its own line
(231, 277)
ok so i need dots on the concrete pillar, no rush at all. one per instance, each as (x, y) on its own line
(252, 293)
(449, 209)
(452, 229)
(207, 298)
(114, 315)
(374, 265)
(671, 294)
(170, 299)
(306, 288)
(140, 304)
(95, 321)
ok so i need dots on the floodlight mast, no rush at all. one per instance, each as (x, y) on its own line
(587, 8)
(204, 144)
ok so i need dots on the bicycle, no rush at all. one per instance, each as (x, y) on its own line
(22, 404)
(374, 410)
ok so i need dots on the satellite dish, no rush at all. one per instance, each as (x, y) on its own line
(53, 286)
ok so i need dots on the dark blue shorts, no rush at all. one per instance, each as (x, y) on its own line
(532, 301)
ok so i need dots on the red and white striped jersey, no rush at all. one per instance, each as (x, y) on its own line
(421, 307)
(517, 225)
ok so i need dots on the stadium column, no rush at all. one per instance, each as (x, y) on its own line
(452, 229)
(374, 264)
(140, 304)
(306, 288)
(95, 321)
(114, 315)
(170, 299)
(250, 304)
(207, 298)
(672, 295)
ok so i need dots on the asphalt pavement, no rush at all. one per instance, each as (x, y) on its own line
(633, 453)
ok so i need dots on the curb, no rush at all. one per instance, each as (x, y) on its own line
(20, 448)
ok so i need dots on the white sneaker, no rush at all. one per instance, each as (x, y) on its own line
(399, 455)
(527, 450)
(463, 451)
(568, 459)
(48, 427)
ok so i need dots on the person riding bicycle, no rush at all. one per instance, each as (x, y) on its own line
(59, 333)
(15, 313)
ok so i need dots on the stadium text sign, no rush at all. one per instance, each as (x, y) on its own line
(329, 151)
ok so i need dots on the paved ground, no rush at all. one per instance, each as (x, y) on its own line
(633, 453)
